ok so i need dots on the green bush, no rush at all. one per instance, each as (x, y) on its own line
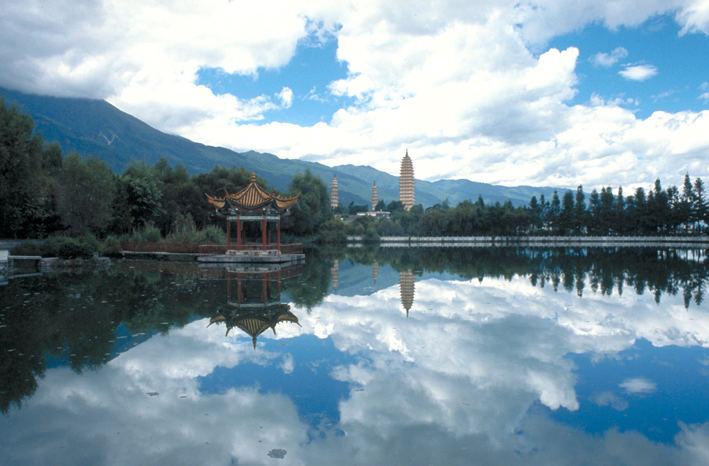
(184, 230)
(333, 231)
(212, 234)
(63, 247)
(70, 248)
(149, 234)
(111, 246)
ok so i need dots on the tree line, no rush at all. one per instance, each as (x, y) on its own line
(659, 211)
(44, 193)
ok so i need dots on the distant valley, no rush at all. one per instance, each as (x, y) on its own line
(95, 127)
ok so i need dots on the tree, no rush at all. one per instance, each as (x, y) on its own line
(143, 192)
(606, 213)
(554, 212)
(85, 194)
(313, 207)
(580, 213)
(535, 210)
(700, 208)
(619, 213)
(595, 211)
(21, 157)
(566, 217)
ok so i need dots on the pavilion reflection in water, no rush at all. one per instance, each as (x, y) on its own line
(253, 298)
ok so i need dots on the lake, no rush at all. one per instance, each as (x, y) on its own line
(363, 356)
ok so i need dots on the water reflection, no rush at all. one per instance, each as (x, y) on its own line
(607, 270)
(257, 305)
(406, 288)
(512, 356)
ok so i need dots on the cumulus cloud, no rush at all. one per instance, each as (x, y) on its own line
(694, 18)
(638, 72)
(609, 59)
(462, 85)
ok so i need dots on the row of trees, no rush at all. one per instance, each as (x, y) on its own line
(42, 192)
(657, 212)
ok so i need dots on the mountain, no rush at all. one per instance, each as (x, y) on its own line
(95, 127)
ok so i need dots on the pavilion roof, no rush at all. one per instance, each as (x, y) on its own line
(254, 323)
(252, 197)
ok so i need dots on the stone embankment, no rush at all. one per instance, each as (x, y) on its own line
(14, 266)
(482, 241)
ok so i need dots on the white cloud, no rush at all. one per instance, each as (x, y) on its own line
(609, 59)
(610, 399)
(638, 385)
(694, 18)
(286, 97)
(638, 72)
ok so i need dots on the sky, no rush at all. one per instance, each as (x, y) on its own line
(538, 92)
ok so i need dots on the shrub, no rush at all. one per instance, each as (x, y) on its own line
(333, 231)
(149, 234)
(58, 246)
(184, 230)
(70, 248)
(212, 234)
(111, 246)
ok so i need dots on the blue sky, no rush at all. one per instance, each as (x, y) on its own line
(308, 74)
(681, 64)
(537, 92)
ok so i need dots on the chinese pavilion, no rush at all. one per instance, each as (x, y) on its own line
(252, 204)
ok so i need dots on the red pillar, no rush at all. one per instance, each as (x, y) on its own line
(278, 233)
(228, 239)
(263, 232)
(238, 232)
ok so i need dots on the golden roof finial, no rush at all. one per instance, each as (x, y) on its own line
(253, 177)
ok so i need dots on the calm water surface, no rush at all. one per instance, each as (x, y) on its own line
(390, 356)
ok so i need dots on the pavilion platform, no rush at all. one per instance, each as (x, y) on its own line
(252, 254)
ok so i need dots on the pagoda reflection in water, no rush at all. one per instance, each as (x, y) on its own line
(406, 288)
(407, 283)
(253, 301)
